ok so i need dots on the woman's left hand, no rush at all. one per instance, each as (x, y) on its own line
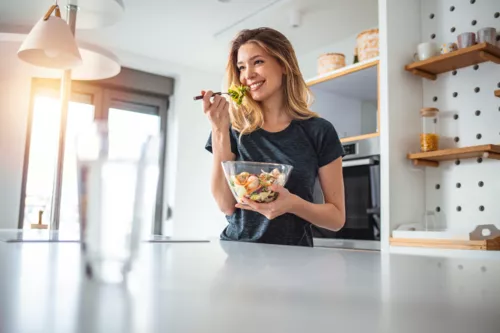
(282, 205)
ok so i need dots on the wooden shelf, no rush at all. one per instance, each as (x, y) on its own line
(454, 60)
(433, 158)
(342, 71)
(457, 244)
(359, 137)
(497, 93)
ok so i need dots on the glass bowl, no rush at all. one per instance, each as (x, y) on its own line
(252, 180)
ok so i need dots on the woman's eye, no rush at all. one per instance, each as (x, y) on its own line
(259, 62)
(241, 68)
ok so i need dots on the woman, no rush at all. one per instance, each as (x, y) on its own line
(274, 125)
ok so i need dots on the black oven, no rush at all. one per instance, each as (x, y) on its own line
(361, 171)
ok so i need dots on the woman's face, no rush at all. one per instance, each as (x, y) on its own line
(260, 71)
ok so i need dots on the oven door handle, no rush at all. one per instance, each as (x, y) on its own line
(362, 161)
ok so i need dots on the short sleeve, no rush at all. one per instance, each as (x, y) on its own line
(232, 138)
(329, 146)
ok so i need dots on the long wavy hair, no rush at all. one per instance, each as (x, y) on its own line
(249, 116)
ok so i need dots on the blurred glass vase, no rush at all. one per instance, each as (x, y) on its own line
(117, 192)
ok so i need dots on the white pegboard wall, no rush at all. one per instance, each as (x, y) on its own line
(466, 194)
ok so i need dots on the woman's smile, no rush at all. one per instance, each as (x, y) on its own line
(255, 86)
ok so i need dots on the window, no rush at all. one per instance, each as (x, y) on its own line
(143, 113)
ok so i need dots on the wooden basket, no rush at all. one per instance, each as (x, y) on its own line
(330, 61)
(367, 42)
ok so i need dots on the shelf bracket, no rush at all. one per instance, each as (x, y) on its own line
(424, 74)
(427, 163)
(489, 57)
(493, 156)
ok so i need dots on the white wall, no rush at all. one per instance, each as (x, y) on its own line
(344, 113)
(14, 103)
(189, 165)
(195, 212)
(369, 117)
(402, 186)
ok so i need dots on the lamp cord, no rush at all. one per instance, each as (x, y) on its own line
(51, 10)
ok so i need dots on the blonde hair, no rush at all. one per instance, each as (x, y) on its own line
(249, 116)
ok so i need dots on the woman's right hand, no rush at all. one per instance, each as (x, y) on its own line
(217, 110)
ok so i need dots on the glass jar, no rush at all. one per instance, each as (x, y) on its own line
(429, 136)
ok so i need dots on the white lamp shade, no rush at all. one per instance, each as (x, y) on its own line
(98, 63)
(51, 44)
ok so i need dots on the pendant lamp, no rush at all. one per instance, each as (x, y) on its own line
(51, 43)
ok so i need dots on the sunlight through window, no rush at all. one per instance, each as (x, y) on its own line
(43, 159)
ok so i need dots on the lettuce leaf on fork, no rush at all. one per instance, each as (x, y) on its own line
(237, 93)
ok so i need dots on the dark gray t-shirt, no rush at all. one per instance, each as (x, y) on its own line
(307, 145)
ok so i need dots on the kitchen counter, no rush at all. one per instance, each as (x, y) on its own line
(240, 287)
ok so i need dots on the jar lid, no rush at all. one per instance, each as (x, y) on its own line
(369, 31)
(428, 112)
(330, 54)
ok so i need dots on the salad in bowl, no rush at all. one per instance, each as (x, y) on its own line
(253, 180)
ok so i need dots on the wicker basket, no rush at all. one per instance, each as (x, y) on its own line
(367, 42)
(330, 61)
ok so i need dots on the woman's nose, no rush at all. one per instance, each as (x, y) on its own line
(249, 73)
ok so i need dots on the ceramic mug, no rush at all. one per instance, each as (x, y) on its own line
(487, 35)
(425, 51)
(448, 47)
(466, 39)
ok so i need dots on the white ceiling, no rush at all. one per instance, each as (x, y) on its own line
(184, 31)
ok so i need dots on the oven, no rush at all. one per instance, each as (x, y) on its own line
(361, 169)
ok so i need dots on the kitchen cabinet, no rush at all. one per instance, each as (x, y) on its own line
(348, 98)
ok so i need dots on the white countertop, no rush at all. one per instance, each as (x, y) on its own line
(240, 287)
